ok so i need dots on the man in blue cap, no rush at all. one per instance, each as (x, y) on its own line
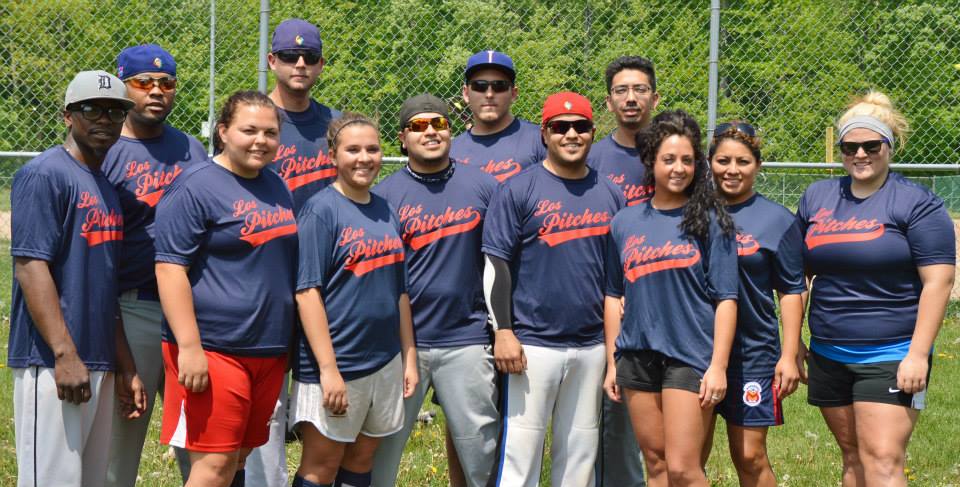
(296, 59)
(497, 142)
(65, 346)
(146, 159)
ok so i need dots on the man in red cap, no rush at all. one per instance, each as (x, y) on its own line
(545, 238)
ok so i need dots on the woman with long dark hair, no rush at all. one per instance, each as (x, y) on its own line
(673, 259)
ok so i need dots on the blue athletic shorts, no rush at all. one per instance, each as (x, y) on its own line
(751, 402)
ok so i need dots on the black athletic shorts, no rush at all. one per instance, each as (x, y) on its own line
(833, 383)
(650, 371)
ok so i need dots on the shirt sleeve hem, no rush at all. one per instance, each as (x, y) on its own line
(172, 259)
(613, 293)
(32, 254)
(935, 261)
(313, 283)
(496, 253)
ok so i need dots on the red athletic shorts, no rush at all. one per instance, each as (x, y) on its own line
(232, 413)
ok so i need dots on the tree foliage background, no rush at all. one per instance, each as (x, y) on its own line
(788, 66)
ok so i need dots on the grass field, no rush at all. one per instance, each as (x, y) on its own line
(802, 451)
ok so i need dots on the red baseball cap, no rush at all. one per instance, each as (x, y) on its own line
(566, 103)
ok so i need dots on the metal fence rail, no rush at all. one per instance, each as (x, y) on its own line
(789, 67)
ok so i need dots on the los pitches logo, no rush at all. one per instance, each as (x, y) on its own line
(640, 259)
(261, 225)
(99, 225)
(422, 228)
(827, 230)
(300, 170)
(368, 254)
(559, 227)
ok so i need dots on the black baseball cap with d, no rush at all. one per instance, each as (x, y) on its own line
(422, 103)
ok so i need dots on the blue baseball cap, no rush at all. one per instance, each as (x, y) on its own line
(296, 34)
(490, 59)
(148, 58)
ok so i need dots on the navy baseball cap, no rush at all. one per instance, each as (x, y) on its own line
(296, 34)
(490, 59)
(147, 58)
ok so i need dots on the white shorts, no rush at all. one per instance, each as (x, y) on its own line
(375, 405)
(61, 443)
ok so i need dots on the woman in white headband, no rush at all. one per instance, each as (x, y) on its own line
(881, 250)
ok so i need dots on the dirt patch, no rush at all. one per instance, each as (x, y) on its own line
(955, 294)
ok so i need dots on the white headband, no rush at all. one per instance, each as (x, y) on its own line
(870, 123)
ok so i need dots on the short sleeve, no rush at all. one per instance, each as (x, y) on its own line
(722, 266)
(316, 234)
(613, 267)
(501, 231)
(803, 212)
(403, 273)
(930, 233)
(788, 276)
(180, 226)
(38, 213)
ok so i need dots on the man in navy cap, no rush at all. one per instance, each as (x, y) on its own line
(296, 59)
(499, 143)
(65, 344)
(141, 165)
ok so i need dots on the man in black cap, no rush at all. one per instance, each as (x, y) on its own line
(441, 206)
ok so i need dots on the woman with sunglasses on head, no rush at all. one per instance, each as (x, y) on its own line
(356, 358)
(880, 250)
(673, 259)
(226, 251)
(769, 244)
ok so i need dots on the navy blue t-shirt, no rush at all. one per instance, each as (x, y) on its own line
(553, 232)
(770, 253)
(442, 225)
(671, 282)
(302, 158)
(69, 216)
(141, 170)
(238, 237)
(503, 154)
(864, 254)
(353, 254)
(623, 166)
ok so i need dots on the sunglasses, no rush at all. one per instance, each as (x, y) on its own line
(498, 85)
(291, 56)
(869, 146)
(421, 124)
(561, 127)
(742, 127)
(94, 112)
(146, 83)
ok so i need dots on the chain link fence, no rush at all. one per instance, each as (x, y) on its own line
(789, 67)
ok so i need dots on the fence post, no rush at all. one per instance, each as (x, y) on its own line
(211, 101)
(262, 53)
(714, 79)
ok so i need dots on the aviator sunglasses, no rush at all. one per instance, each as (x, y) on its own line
(869, 146)
(291, 56)
(421, 124)
(742, 127)
(146, 83)
(563, 126)
(94, 112)
(498, 85)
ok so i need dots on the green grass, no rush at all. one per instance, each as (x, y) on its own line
(802, 451)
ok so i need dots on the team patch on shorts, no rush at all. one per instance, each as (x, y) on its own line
(751, 402)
